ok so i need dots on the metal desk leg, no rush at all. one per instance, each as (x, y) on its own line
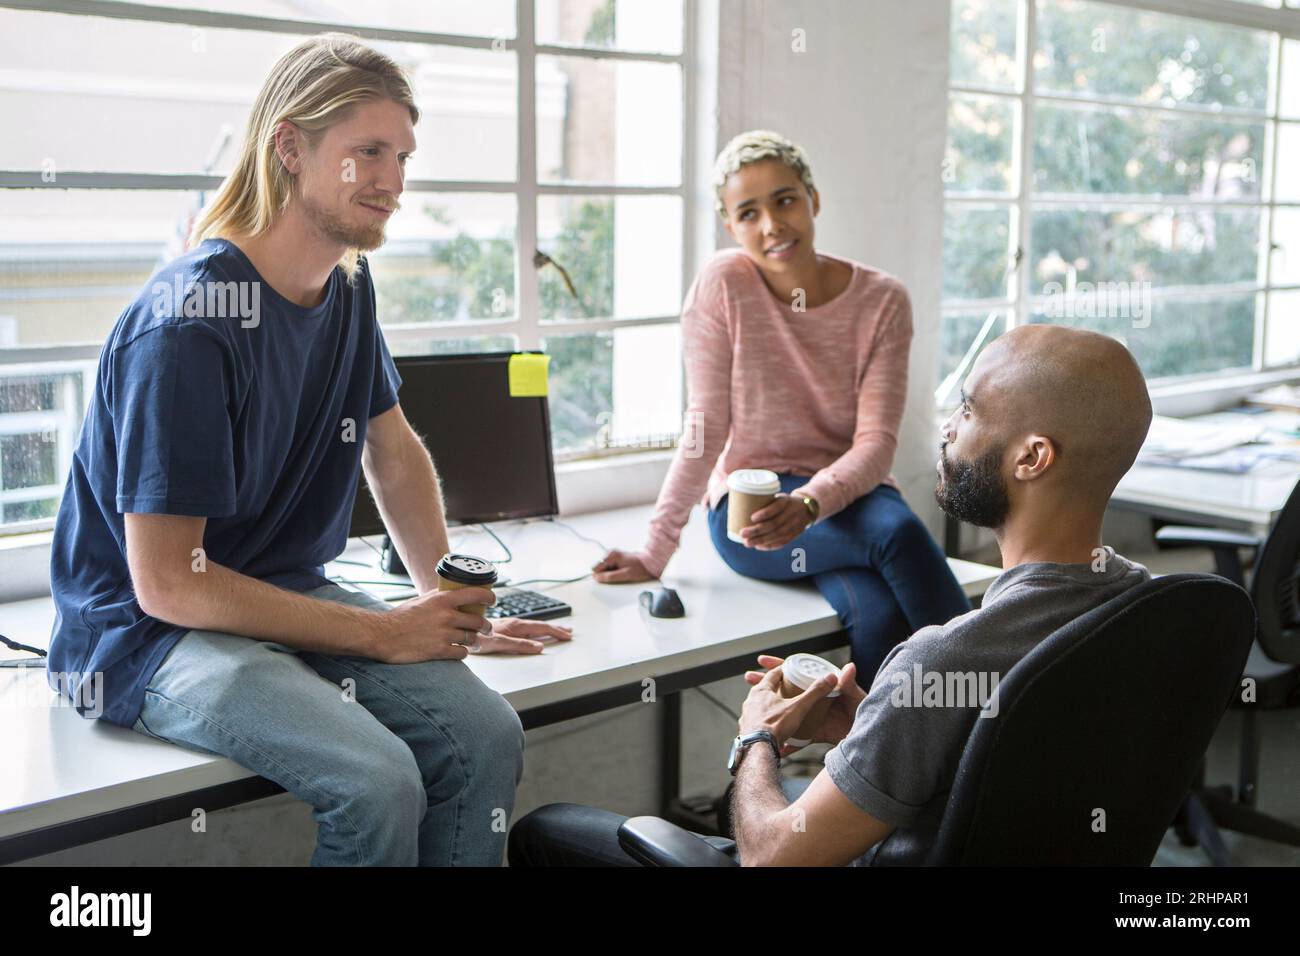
(670, 772)
(697, 815)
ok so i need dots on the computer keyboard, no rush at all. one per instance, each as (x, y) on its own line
(533, 605)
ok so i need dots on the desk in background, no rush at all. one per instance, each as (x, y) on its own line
(1247, 502)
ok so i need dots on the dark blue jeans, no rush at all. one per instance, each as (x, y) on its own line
(875, 562)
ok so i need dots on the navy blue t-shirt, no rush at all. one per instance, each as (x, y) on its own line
(216, 397)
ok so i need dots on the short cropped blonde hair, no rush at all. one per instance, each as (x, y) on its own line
(754, 146)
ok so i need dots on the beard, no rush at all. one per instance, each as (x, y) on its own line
(337, 229)
(974, 491)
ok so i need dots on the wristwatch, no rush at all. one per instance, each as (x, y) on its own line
(814, 509)
(744, 742)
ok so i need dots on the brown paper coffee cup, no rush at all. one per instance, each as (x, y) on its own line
(456, 571)
(445, 585)
(748, 490)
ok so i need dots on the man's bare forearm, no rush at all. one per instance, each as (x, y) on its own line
(219, 599)
(409, 497)
(756, 801)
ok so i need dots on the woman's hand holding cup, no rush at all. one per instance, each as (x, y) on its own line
(777, 524)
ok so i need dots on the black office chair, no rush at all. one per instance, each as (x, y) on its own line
(1098, 736)
(1272, 666)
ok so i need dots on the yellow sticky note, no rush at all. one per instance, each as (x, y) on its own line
(528, 375)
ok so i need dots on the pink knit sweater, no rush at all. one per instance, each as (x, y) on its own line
(818, 393)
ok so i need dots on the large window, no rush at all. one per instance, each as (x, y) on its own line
(547, 126)
(1121, 168)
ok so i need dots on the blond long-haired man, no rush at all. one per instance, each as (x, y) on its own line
(239, 397)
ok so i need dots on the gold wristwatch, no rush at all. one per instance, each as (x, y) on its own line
(814, 509)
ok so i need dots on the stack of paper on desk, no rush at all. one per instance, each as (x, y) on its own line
(1174, 440)
(1235, 461)
(1279, 396)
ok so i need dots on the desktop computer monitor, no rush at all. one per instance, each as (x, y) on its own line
(492, 450)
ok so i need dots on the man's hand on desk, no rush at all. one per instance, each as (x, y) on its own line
(621, 567)
(511, 635)
(766, 704)
(432, 627)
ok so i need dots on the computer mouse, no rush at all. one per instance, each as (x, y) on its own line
(662, 602)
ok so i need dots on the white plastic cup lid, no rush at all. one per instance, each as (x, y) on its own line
(754, 481)
(804, 670)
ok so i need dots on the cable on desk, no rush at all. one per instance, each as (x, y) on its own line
(509, 556)
(515, 584)
(379, 551)
(504, 547)
(578, 534)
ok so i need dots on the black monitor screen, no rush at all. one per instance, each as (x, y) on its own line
(492, 450)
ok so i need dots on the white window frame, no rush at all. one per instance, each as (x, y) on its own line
(527, 325)
(1283, 23)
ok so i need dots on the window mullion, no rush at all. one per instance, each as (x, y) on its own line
(1023, 160)
(1268, 187)
(528, 301)
(687, 170)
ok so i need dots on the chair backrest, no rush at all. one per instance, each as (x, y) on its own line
(1276, 585)
(1100, 730)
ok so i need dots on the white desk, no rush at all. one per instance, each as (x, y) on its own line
(69, 780)
(1250, 501)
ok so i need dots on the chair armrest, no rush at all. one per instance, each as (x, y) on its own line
(652, 841)
(1224, 545)
(1182, 536)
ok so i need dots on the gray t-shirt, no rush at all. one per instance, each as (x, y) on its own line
(899, 760)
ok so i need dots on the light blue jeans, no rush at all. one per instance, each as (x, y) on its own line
(404, 764)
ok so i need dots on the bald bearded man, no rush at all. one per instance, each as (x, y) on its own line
(1050, 420)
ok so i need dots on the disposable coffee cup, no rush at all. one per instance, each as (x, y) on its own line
(798, 673)
(457, 571)
(748, 490)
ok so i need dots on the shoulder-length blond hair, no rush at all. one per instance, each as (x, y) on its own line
(313, 86)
